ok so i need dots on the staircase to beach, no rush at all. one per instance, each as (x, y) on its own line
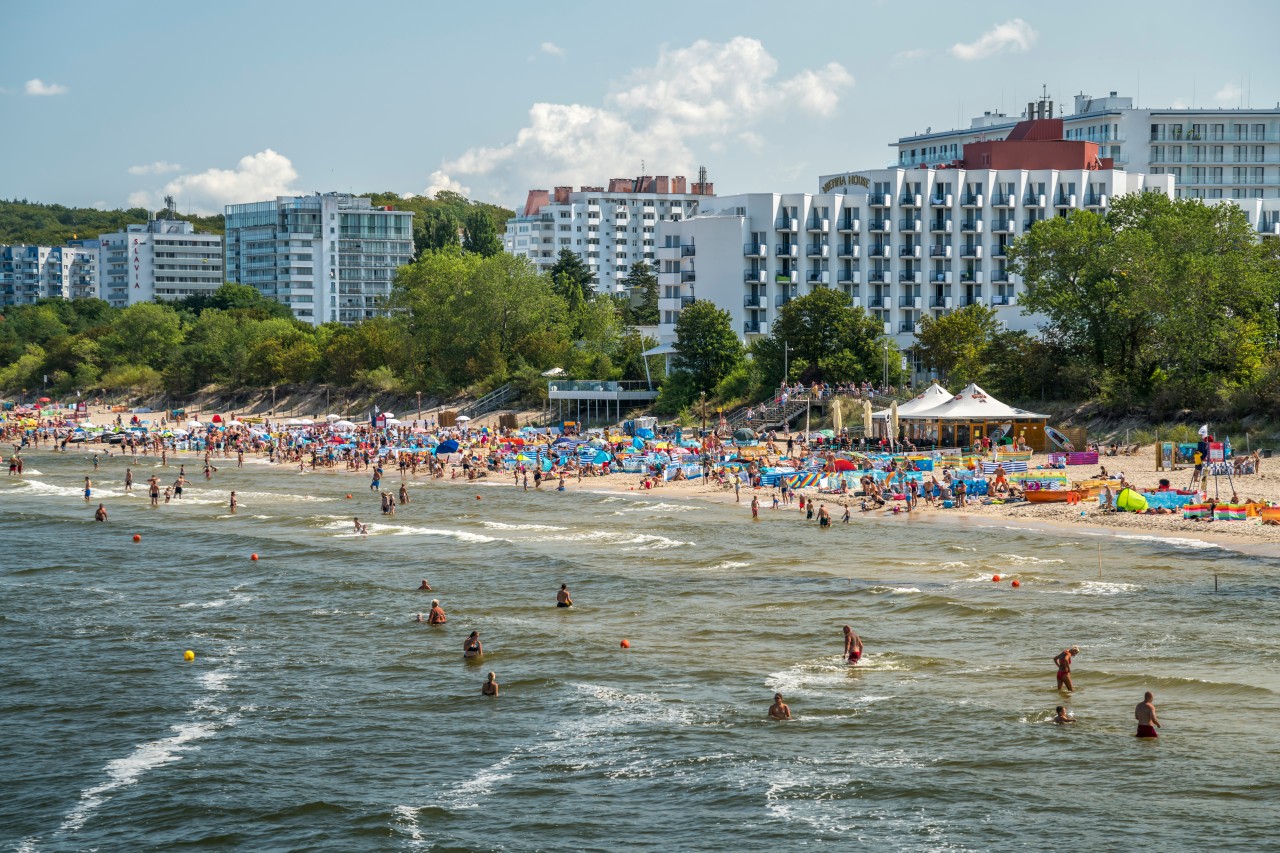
(774, 413)
(490, 402)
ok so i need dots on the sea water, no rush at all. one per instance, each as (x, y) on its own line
(318, 715)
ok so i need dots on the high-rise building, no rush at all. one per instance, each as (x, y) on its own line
(609, 228)
(330, 258)
(1211, 153)
(902, 243)
(164, 259)
(31, 273)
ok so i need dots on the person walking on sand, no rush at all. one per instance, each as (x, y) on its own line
(1063, 660)
(490, 687)
(562, 597)
(779, 710)
(852, 646)
(1145, 714)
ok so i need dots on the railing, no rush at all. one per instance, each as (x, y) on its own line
(906, 301)
(688, 251)
(788, 250)
(999, 299)
(850, 225)
(688, 276)
(848, 249)
(755, 250)
(751, 327)
(493, 400)
(881, 224)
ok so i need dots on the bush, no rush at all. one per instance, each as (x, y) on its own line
(737, 388)
(380, 379)
(139, 378)
(676, 393)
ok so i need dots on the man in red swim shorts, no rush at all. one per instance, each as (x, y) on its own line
(1145, 714)
(852, 645)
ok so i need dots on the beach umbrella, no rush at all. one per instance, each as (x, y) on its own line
(293, 422)
(194, 424)
(845, 465)
(893, 421)
(866, 418)
(388, 415)
(344, 425)
(744, 434)
(462, 419)
(394, 422)
(449, 446)
(305, 421)
(333, 417)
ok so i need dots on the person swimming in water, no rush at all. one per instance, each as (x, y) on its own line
(1062, 717)
(360, 528)
(852, 646)
(1063, 660)
(436, 616)
(562, 597)
(490, 687)
(779, 709)
(426, 587)
(471, 648)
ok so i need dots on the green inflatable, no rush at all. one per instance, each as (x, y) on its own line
(1130, 501)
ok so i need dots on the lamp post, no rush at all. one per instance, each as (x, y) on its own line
(886, 363)
(786, 349)
(419, 405)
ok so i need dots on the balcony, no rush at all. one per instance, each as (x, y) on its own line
(880, 199)
(881, 250)
(1065, 200)
(940, 251)
(1006, 226)
(971, 200)
(940, 277)
(971, 277)
(788, 250)
(1002, 299)
(1029, 223)
(849, 277)
(786, 277)
(878, 302)
(971, 226)
(755, 276)
(910, 251)
(818, 225)
(941, 226)
(940, 200)
(688, 276)
(911, 277)
(760, 301)
(849, 250)
(940, 302)
(878, 276)
(1003, 200)
(850, 226)
(907, 327)
(881, 226)
(1000, 250)
(822, 277)
(907, 301)
(688, 251)
(819, 250)
(755, 250)
(686, 301)
(909, 225)
(787, 223)
(911, 200)
(971, 250)
(1034, 200)
(755, 327)
(782, 299)
(999, 276)
(1095, 200)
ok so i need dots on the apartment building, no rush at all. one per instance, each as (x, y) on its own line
(610, 227)
(331, 258)
(31, 273)
(162, 259)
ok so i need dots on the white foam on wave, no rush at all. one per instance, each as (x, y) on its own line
(817, 678)
(383, 529)
(954, 564)
(498, 525)
(727, 565)
(1177, 542)
(1104, 588)
(1022, 560)
(124, 772)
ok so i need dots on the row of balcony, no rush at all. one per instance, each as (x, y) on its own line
(815, 224)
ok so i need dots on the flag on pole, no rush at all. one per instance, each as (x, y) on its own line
(1204, 431)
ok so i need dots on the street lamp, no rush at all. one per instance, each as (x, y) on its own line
(786, 348)
(886, 363)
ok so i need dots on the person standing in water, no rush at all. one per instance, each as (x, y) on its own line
(100, 514)
(562, 597)
(490, 687)
(234, 503)
(779, 710)
(436, 616)
(852, 646)
(88, 486)
(471, 647)
(404, 494)
(1145, 714)
(755, 507)
(824, 517)
(1063, 660)
(128, 479)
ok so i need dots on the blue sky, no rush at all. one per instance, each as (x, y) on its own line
(109, 104)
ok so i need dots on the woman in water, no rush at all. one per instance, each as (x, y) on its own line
(490, 687)
(779, 710)
(436, 616)
(852, 646)
(472, 648)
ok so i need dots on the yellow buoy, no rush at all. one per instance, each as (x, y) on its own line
(188, 656)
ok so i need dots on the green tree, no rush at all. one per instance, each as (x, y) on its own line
(642, 292)
(958, 344)
(570, 278)
(435, 229)
(480, 235)
(825, 337)
(146, 333)
(706, 347)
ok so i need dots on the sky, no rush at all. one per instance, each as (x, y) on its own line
(114, 105)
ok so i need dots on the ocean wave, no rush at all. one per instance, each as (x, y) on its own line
(727, 565)
(1022, 560)
(1104, 588)
(1175, 541)
(498, 525)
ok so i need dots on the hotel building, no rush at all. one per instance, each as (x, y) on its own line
(610, 228)
(330, 258)
(31, 273)
(1211, 153)
(163, 259)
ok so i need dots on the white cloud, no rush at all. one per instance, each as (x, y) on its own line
(159, 167)
(438, 181)
(1228, 95)
(702, 95)
(257, 177)
(1015, 35)
(910, 55)
(552, 49)
(39, 87)
(1180, 104)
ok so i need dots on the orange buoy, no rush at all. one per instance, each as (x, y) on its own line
(137, 537)
(477, 497)
(348, 497)
(995, 579)
(1017, 583)
(626, 644)
(253, 556)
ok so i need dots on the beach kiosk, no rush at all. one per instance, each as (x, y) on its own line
(973, 413)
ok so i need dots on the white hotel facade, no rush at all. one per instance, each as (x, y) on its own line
(29, 273)
(902, 243)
